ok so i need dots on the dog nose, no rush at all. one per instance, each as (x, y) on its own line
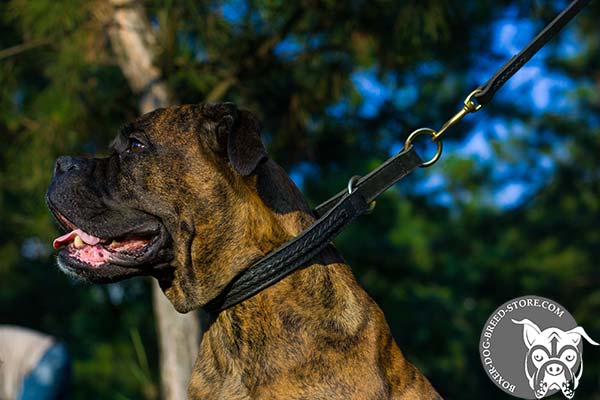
(65, 164)
(554, 369)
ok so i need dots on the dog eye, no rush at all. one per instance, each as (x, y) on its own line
(569, 355)
(135, 145)
(538, 355)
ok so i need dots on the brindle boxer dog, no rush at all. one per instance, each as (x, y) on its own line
(189, 196)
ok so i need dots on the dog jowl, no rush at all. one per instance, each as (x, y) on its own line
(189, 196)
(553, 361)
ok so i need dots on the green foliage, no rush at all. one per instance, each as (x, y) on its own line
(438, 271)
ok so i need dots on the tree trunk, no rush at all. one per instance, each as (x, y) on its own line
(133, 41)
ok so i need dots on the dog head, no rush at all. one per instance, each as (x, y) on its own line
(553, 360)
(174, 199)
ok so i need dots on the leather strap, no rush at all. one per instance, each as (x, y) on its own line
(378, 180)
(489, 89)
(334, 215)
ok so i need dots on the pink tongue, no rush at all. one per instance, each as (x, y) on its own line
(69, 237)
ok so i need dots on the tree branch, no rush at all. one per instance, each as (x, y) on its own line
(23, 47)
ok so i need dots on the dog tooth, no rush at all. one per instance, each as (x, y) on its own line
(78, 242)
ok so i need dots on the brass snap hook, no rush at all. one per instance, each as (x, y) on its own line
(469, 106)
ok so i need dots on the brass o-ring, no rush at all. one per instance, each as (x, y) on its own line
(432, 133)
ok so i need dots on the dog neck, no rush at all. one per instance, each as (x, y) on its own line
(316, 310)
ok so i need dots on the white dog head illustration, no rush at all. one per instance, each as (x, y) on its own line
(553, 360)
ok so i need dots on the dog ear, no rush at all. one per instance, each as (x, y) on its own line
(577, 333)
(237, 133)
(530, 331)
(244, 147)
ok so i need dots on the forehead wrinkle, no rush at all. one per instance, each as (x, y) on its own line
(561, 348)
(541, 343)
(161, 117)
(152, 125)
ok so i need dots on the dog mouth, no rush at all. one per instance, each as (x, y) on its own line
(95, 251)
(110, 258)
